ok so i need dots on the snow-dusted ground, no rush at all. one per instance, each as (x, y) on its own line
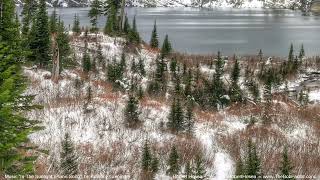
(101, 130)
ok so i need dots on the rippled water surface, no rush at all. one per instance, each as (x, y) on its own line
(229, 30)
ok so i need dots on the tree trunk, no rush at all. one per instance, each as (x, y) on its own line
(55, 60)
(123, 4)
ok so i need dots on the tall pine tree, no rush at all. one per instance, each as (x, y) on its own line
(68, 165)
(76, 25)
(166, 47)
(94, 13)
(173, 163)
(154, 42)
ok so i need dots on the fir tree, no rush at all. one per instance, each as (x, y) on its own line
(94, 14)
(146, 158)
(188, 86)
(253, 161)
(291, 55)
(68, 157)
(189, 119)
(154, 42)
(154, 165)
(8, 26)
(166, 47)
(40, 39)
(100, 58)
(235, 91)
(141, 67)
(302, 52)
(64, 46)
(131, 113)
(239, 169)
(111, 27)
(173, 163)
(28, 11)
(133, 66)
(14, 127)
(134, 36)
(86, 62)
(188, 172)
(176, 117)
(260, 55)
(53, 22)
(199, 170)
(76, 25)
(286, 166)
(217, 89)
(126, 25)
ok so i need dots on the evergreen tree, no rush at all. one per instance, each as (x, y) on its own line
(260, 55)
(176, 118)
(53, 22)
(291, 55)
(94, 14)
(134, 36)
(100, 58)
(86, 62)
(146, 158)
(188, 172)
(64, 45)
(286, 166)
(68, 157)
(199, 170)
(14, 128)
(40, 39)
(112, 25)
(253, 161)
(173, 162)
(239, 169)
(302, 52)
(159, 83)
(76, 25)
(154, 42)
(28, 11)
(131, 113)
(126, 25)
(188, 86)
(141, 67)
(189, 119)
(166, 47)
(8, 26)
(235, 91)
(154, 165)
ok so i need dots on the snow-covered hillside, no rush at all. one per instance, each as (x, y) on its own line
(189, 3)
(105, 146)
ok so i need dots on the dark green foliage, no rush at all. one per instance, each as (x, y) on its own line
(94, 14)
(64, 46)
(188, 86)
(68, 157)
(176, 117)
(146, 158)
(235, 91)
(154, 42)
(76, 25)
(86, 62)
(188, 172)
(133, 36)
(28, 12)
(253, 161)
(154, 165)
(131, 113)
(189, 119)
(141, 67)
(286, 166)
(159, 83)
(115, 70)
(173, 163)
(166, 47)
(14, 128)
(112, 24)
(39, 37)
(240, 170)
(260, 55)
(199, 169)
(8, 26)
(291, 55)
(126, 25)
(53, 21)
(302, 52)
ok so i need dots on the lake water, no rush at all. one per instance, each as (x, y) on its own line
(205, 31)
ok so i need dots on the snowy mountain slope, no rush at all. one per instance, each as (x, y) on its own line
(105, 146)
(189, 3)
